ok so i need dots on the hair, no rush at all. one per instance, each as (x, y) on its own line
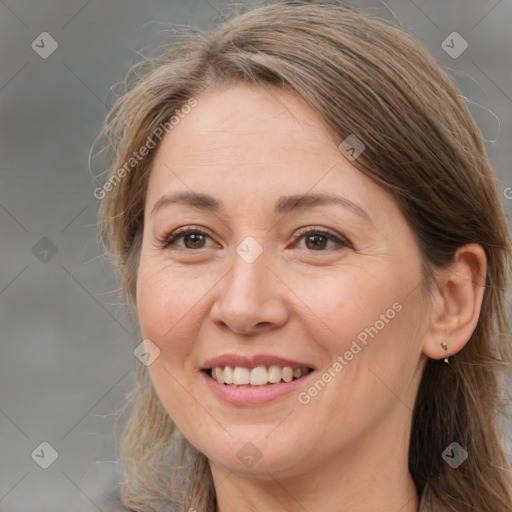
(366, 77)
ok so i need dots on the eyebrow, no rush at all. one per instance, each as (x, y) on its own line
(284, 204)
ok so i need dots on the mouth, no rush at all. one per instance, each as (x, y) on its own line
(255, 380)
(255, 377)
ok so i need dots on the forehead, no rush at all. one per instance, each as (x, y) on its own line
(250, 143)
(249, 122)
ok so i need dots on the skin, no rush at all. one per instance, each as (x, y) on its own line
(197, 298)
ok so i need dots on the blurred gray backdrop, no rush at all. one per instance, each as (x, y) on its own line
(66, 357)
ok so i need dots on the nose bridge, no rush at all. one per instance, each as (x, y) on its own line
(247, 297)
(248, 279)
(249, 264)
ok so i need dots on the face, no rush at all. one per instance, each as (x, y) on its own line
(267, 252)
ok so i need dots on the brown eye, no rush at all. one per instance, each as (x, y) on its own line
(316, 242)
(317, 239)
(192, 239)
(196, 240)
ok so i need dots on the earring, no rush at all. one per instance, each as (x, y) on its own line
(445, 348)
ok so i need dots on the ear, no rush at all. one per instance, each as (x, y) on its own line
(456, 302)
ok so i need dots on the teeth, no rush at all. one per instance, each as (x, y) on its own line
(228, 374)
(287, 374)
(274, 374)
(240, 375)
(218, 374)
(259, 376)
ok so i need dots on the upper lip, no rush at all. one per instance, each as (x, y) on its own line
(251, 361)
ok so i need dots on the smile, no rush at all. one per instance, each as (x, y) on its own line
(256, 380)
(239, 376)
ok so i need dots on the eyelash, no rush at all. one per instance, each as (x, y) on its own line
(301, 233)
(181, 232)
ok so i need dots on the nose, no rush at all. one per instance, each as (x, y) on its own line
(250, 298)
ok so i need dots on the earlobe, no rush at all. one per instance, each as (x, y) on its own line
(457, 302)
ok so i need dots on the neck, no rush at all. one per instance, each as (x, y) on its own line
(347, 481)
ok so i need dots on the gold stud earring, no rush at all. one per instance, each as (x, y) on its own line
(445, 348)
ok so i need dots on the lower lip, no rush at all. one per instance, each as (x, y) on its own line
(256, 395)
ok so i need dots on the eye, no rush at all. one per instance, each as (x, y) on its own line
(193, 238)
(316, 239)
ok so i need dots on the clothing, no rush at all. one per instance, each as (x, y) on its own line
(429, 502)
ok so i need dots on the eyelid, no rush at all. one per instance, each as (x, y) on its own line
(331, 235)
(340, 240)
(169, 238)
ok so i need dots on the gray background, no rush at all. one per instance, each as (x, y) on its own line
(66, 356)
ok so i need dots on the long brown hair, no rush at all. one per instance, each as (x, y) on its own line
(365, 77)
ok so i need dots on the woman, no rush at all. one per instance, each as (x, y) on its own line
(306, 225)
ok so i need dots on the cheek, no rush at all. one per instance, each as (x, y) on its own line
(353, 300)
(168, 304)
(167, 317)
(369, 315)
